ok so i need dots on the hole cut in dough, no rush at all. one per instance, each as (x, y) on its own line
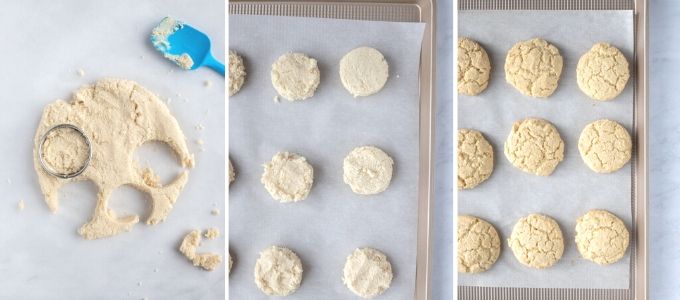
(158, 162)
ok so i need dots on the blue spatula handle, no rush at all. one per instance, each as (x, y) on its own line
(214, 64)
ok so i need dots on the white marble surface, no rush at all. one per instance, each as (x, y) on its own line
(442, 248)
(41, 255)
(664, 156)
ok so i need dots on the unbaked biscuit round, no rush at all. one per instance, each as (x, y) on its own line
(367, 170)
(363, 71)
(475, 158)
(605, 146)
(601, 237)
(295, 76)
(278, 271)
(478, 245)
(534, 67)
(367, 273)
(537, 241)
(237, 72)
(534, 146)
(288, 177)
(602, 72)
(474, 67)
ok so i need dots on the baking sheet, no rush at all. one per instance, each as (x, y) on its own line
(326, 227)
(573, 188)
(41, 254)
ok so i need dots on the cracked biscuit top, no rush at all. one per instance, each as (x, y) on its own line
(601, 237)
(602, 72)
(537, 241)
(478, 245)
(605, 146)
(474, 67)
(533, 67)
(475, 158)
(534, 146)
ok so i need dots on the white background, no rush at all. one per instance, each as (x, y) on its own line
(44, 43)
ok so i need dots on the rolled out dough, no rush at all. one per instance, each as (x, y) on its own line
(117, 116)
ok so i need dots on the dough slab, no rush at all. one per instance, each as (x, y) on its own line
(118, 116)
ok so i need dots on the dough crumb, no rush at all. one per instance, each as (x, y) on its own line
(200, 142)
(211, 233)
(207, 83)
(215, 212)
(80, 72)
(139, 283)
(21, 205)
(150, 178)
(191, 242)
(277, 99)
(199, 127)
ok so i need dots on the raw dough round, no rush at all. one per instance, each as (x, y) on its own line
(232, 172)
(601, 237)
(475, 158)
(367, 273)
(534, 146)
(237, 72)
(295, 76)
(474, 67)
(288, 177)
(602, 72)
(533, 67)
(363, 71)
(278, 271)
(478, 245)
(537, 241)
(367, 170)
(605, 146)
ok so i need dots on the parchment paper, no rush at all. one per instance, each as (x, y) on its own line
(326, 227)
(573, 188)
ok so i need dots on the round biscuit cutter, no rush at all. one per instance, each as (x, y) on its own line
(53, 172)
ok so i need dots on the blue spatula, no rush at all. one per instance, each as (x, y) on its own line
(184, 45)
